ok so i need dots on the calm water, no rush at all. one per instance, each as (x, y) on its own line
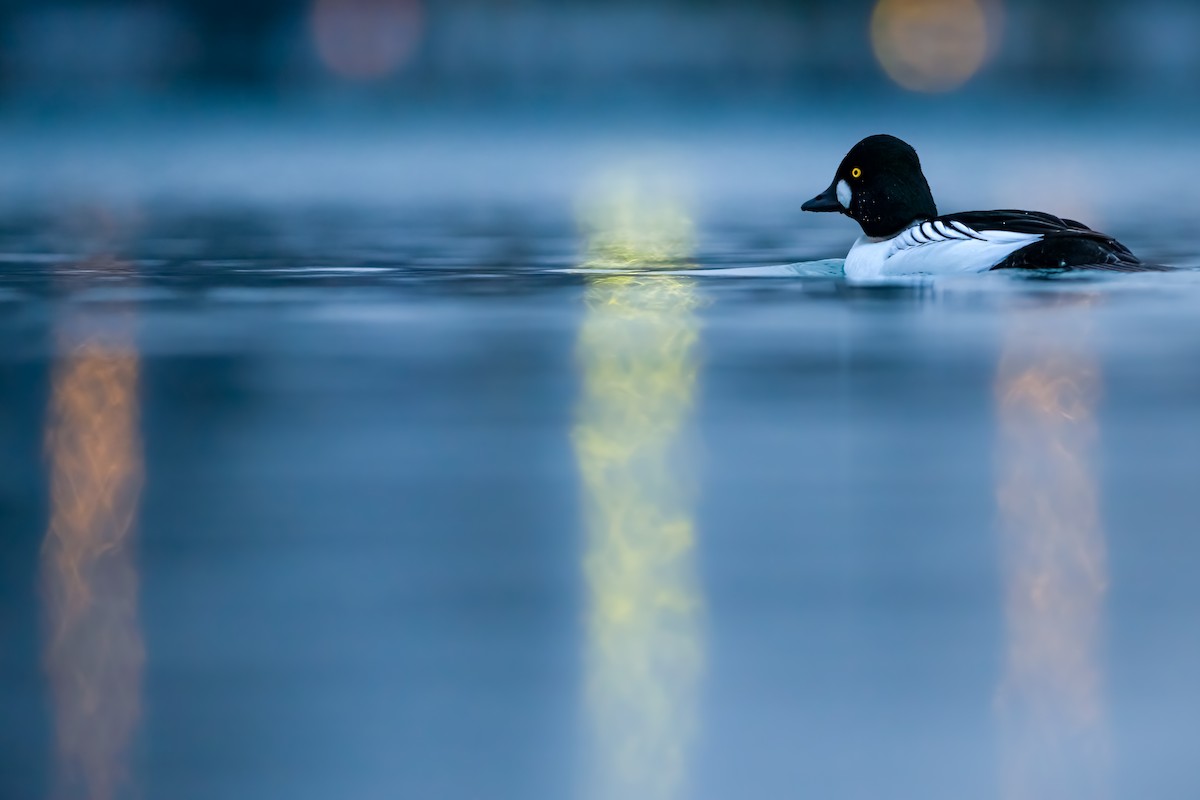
(578, 491)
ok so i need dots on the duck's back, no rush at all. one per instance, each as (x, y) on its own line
(1060, 243)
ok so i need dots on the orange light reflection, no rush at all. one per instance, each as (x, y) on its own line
(94, 652)
(1051, 699)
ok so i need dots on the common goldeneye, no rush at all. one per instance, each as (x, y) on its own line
(880, 185)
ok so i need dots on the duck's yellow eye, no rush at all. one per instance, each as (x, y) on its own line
(856, 173)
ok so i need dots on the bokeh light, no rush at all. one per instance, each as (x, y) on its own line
(366, 39)
(930, 45)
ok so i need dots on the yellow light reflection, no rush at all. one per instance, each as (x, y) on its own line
(365, 39)
(94, 652)
(645, 648)
(1051, 699)
(930, 45)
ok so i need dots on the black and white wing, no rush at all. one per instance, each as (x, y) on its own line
(1061, 243)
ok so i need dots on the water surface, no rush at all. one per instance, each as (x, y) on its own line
(588, 495)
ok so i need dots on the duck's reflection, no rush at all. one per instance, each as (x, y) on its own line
(645, 648)
(1051, 700)
(94, 651)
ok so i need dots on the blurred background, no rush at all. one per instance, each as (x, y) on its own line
(587, 52)
(449, 400)
(339, 100)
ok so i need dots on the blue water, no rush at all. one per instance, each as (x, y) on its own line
(600, 485)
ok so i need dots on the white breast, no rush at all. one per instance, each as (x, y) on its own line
(933, 248)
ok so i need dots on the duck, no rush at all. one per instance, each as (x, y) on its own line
(880, 185)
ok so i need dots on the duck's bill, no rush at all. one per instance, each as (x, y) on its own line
(825, 201)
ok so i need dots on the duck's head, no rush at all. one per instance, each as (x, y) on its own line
(879, 185)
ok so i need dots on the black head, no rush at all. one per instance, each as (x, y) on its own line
(879, 185)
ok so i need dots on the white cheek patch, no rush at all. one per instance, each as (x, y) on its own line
(844, 194)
